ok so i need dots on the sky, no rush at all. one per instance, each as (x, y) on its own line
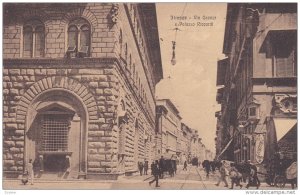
(191, 82)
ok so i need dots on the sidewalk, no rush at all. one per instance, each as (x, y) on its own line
(182, 180)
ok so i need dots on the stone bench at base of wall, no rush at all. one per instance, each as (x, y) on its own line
(130, 173)
(103, 176)
(12, 174)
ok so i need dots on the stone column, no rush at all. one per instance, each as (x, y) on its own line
(75, 145)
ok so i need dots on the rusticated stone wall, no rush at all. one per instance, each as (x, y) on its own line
(100, 81)
(100, 89)
(95, 87)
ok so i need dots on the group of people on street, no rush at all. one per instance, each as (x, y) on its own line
(210, 166)
(143, 167)
(158, 169)
(244, 172)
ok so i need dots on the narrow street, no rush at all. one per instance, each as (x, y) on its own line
(192, 179)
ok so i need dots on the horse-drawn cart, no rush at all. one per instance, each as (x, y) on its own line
(279, 179)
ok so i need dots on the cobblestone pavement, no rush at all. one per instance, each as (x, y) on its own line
(192, 179)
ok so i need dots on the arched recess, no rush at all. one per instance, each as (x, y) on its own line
(30, 14)
(55, 113)
(136, 142)
(122, 125)
(81, 12)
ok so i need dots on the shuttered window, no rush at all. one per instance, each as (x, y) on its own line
(33, 39)
(79, 36)
(84, 36)
(72, 36)
(39, 41)
(284, 55)
(28, 34)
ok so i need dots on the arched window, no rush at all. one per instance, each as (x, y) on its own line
(79, 37)
(136, 79)
(39, 41)
(126, 52)
(28, 41)
(84, 36)
(33, 39)
(122, 105)
(136, 141)
(72, 36)
(133, 71)
(122, 128)
(121, 41)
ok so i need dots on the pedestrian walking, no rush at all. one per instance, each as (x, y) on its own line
(171, 167)
(30, 171)
(185, 166)
(67, 168)
(161, 167)
(155, 171)
(146, 167)
(152, 167)
(213, 166)
(222, 175)
(253, 179)
(206, 166)
(175, 166)
(140, 166)
(235, 176)
(246, 169)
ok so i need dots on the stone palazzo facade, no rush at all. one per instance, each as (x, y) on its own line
(78, 88)
(258, 84)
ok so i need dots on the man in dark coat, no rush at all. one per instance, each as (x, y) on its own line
(213, 166)
(185, 166)
(253, 179)
(140, 166)
(155, 171)
(146, 167)
(246, 171)
(161, 167)
(206, 166)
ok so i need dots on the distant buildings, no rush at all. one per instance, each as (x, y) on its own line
(186, 144)
(175, 137)
(168, 127)
(258, 84)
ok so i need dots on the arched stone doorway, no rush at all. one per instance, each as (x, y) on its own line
(56, 127)
(44, 103)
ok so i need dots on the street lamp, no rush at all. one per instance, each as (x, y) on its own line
(173, 60)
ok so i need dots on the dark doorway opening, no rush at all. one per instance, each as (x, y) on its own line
(55, 163)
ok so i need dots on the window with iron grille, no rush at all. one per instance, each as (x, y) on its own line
(55, 133)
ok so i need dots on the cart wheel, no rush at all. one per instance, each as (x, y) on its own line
(279, 181)
(268, 181)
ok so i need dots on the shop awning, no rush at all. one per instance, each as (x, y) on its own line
(225, 148)
(283, 125)
(275, 35)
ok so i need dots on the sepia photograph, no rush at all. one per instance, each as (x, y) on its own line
(149, 96)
